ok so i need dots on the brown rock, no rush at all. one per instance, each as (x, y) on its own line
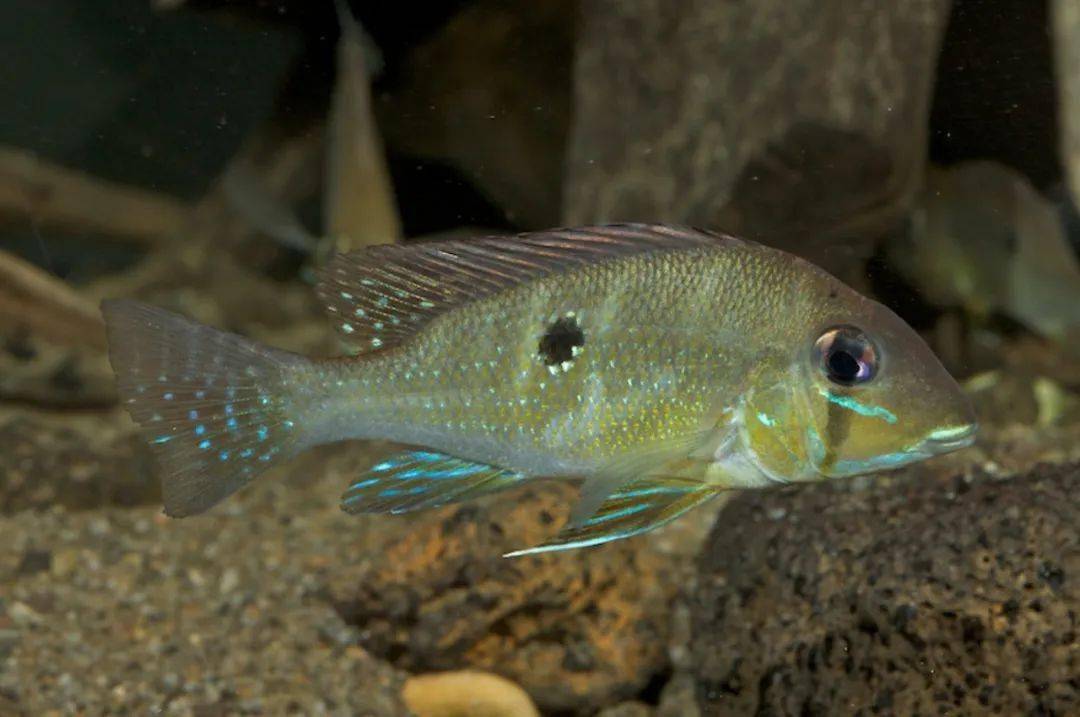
(578, 629)
(928, 595)
(778, 120)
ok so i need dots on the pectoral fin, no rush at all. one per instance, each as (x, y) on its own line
(635, 508)
(668, 458)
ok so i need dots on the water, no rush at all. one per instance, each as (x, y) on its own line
(208, 157)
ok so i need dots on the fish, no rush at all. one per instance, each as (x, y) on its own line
(657, 366)
(982, 238)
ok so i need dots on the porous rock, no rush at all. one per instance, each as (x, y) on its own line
(921, 595)
(578, 629)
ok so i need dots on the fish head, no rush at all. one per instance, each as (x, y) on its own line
(870, 393)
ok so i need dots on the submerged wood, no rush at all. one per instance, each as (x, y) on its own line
(31, 299)
(34, 189)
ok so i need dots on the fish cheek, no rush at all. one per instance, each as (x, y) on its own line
(773, 430)
(837, 430)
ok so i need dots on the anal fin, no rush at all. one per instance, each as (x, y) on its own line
(635, 508)
(415, 480)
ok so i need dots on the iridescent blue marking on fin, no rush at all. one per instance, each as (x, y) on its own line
(637, 508)
(616, 514)
(414, 480)
(204, 398)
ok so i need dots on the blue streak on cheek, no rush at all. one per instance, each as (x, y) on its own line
(860, 408)
(816, 445)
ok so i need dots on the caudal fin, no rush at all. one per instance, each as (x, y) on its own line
(214, 406)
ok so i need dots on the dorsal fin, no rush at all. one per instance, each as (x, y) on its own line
(379, 296)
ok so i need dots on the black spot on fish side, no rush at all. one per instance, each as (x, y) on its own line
(559, 342)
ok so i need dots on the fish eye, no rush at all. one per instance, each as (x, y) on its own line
(846, 355)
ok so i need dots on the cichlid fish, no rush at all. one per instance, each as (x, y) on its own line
(662, 365)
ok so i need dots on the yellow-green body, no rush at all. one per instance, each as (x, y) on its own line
(659, 364)
(683, 350)
(665, 354)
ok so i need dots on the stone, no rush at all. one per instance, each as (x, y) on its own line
(925, 594)
(466, 693)
(778, 121)
(578, 630)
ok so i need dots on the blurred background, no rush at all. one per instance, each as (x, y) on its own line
(208, 155)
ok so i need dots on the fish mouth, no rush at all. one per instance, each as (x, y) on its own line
(951, 438)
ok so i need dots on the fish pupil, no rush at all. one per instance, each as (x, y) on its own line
(843, 367)
(559, 341)
(846, 355)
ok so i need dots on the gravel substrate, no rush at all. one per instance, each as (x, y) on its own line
(124, 611)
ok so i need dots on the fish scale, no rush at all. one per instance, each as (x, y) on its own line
(476, 375)
(662, 365)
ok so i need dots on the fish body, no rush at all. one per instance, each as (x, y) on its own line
(982, 238)
(661, 365)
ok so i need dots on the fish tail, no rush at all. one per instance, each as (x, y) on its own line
(216, 408)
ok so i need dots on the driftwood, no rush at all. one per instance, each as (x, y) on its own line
(31, 299)
(34, 189)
